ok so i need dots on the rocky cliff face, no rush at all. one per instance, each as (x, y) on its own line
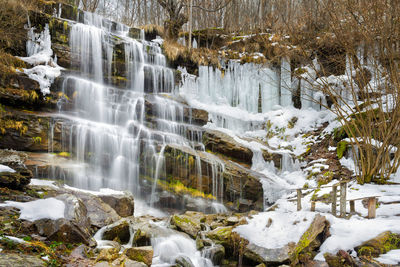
(214, 167)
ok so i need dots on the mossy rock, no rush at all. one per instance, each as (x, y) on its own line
(141, 254)
(309, 241)
(381, 244)
(186, 224)
(108, 254)
(222, 236)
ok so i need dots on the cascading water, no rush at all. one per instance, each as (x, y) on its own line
(117, 131)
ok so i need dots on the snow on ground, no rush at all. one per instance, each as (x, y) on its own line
(286, 227)
(101, 192)
(347, 234)
(40, 182)
(4, 168)
(392, 257)
(14, 239)
(49, 208)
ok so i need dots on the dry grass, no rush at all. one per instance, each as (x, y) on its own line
(153, 28)
(9, 64)
(201, 56)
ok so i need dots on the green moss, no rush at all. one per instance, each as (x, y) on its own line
(65, 26)
(393, 242)
(64, 154)
(341, 149)
(366, 251)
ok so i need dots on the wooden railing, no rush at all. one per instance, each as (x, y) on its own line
(342, 186)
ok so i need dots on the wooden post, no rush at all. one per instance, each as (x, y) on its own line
(298, 199)
(312, 205)
(334, 199)
(371, 207)
(352, 207)
(343, 190)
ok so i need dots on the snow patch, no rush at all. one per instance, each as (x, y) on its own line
(286, 227)
(4, 168)
(49, 208)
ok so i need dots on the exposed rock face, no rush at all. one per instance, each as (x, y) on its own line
(241, 187)
(222, 143)
(74, 228)
(30, 132)
(141, 254)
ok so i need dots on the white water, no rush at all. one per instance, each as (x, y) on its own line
(117, 134)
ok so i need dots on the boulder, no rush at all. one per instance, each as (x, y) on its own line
(221, 143)
(232, 220)
(216, 253)
(15, 260)
(15, 180)
(99, 212)
(222, 236)
(118, 231)
(188, 223)
(311, 240)
(259, 254)
(123, 204)
(183, 261)
(74, 228)
(342, 258)
(108, 254)
(381, 244)
(141, 254)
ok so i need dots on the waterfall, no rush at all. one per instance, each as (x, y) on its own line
(115, 122)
